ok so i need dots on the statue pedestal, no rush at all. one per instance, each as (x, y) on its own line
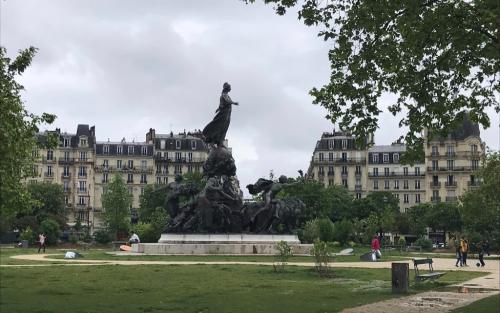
(220, 244)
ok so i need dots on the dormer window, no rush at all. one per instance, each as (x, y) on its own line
(177, 144)
(344, 144)
(119, 150)
(144, 150)
(330, 144)
(66, 142)
(395, 157)
(193, 144)
(105, 149)
(162, 144)
(83, 142)
(130, 149)
(375, 157)
(386, 157)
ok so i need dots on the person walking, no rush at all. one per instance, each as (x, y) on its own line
(376, 248)
(458, 253)
(481, 249)
(487, 247)
(464, 248)
(41, 242)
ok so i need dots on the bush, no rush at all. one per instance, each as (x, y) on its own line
(322, 257)
(284, 253)
(102, 236)
(326, 229)
(402, 241)
(426, 244)
(146, 232)
(342, 231)
(310, 232)
(28, 234)
(73, 238)
(51, 230)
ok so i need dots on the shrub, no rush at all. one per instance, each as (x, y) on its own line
(310, 232)
(322, 257)
(326, 229)
(146, 232)
(402, 241)
(426, 244)
(51, 230)
(284, 253)
(28, 234)
(342, 231)
(102, 236)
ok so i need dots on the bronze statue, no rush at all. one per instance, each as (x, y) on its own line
(215, 131)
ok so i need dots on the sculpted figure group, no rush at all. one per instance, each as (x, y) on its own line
(218, 207)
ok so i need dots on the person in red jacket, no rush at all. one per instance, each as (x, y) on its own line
(376, 247)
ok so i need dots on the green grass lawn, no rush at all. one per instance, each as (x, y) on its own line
(195, 288)
(487, 305)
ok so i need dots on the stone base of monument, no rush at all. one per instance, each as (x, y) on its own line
(220, 244)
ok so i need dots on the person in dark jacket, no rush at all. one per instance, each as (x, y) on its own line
(458, 253)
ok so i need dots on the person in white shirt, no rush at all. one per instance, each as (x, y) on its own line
(41, 242)
(134, 238)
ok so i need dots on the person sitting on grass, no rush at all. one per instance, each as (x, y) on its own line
(134, 238)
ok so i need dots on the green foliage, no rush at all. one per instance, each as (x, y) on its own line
(102, 236)
(116, 202)
(310, 232)
(51, 230)
(402, 241)
(417, 218)
(480, 209)
(159, 220)
(425, 52)
(17, 135)
(426, 244)
(28, 234)
(152, 198)
(195, 178)
(444, 216)
(48, 202)
(318, 228)
(322, 257)
(342, 231)
(326, 229)
(73, 238)
(146, 232)
(281, 259)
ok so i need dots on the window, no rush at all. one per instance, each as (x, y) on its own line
(105, 149)
(82, 186)
(405, 171)
(330, 144)
(177, 169)
(66, 142)
(386, 157)
(83, 142)
(197, 168)
(473, 148)
(395, 157)
(344, 183)
(66, 155)
(417, 198)
(177, 144)
(396, 184)
(82, 171)
(450, 164)
(474, 164)
(190, 168)
(81, 200)
(165, 180)
(130, 178)
(50, 155)
(405, 184)
(118, 164)
(435, 150)
(104, 177)
(386, 184)
(344, 144)
(130, 164)
(144, 150)
(130, 150)
(344, 157)
(417, 171)
(375, 158)
(330, 156)
(358, 195)
(158, 180)
(35, 153)
(375, 171)
(105, 164)
(119, 149)
(83, 156)
(450, 150)
(66, 186)
(66, 200)
(34, 170)
(165, 169)
(49, 171)
(344, 170)
(321, 171)
(144, 179)
(358, 169)
(193, 144)
(435, 194)
(406, 198)
(190, 156)
(435, 165)
(321, 157)
(386, 171)
(358, 182)
(66, 171)
(417, 184)
(375, 184)
(144, 165)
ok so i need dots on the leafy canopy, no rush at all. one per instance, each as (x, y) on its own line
(17, 136)
(438, 57)
(116, 202)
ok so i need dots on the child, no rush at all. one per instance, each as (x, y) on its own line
(459, 255)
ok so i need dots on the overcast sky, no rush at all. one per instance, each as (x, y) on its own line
(127, 66)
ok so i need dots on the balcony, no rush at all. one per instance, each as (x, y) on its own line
(344, 174)
(130, 181)
(450, 184)
(357, 173)
(340, 160)
(46, 160)
(66, 175)
(358, 187)
(397, 174)
(144, 182)
(473, 184)
(82, 175)
(454, 169)
(435, 184)
(451, 199)
(140, 169)
(436, 199)
(321, 174)
(66, 161)
(67, 190)
(330, 173)
(81, 191)
(48, 175)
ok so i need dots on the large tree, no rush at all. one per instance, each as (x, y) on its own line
(439, 57)
(116, 202)
(480, 208)
(17, 136)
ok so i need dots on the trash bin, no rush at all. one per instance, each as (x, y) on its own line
(400, 277)
(24, 243)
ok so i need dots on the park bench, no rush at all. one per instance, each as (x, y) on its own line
(430, 275)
